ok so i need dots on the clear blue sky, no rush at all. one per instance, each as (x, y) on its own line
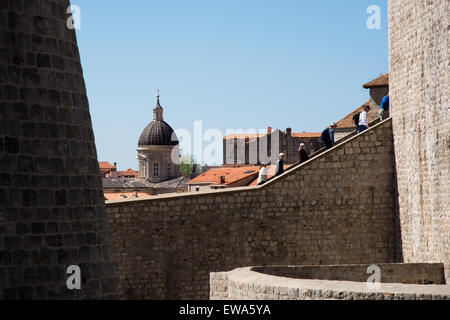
(231, 64)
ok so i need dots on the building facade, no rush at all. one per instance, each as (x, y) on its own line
(242, 149)
(158, 152)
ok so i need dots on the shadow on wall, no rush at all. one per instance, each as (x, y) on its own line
(398, 229)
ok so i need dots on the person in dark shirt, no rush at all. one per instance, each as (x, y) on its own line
(280, 165)
(302, 154)
(384, 108)
(356, 120)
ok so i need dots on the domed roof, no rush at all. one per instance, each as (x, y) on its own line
(158, 132)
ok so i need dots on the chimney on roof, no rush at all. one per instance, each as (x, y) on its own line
(115, 165)
(288, 131)
(269, 130)
(222, 179)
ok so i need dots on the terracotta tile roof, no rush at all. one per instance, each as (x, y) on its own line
(231, 175)
(347, 121)
(125, 195)
(243, 136)
(117, 174)
(105, 165)
(254, 136)
(381, 81)
(306, 135)
(270, 173)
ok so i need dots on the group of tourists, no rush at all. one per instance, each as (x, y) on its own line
(360, 120)
(263, 168)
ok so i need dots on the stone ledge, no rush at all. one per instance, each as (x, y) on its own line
(243, 284)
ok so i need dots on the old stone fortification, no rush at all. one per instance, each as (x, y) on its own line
(338, 208)
(255, 284)
(52, 212)
(335, 209)
(419, 82)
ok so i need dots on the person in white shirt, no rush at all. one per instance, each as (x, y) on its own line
(262, 174)
(363, 120)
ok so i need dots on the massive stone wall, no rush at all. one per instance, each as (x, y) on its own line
(335, 209)
(419, 82)
(52, 211)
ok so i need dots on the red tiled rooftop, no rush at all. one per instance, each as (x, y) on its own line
(243, 136)
(128, 195)
(306, 135)
(105, 165)
(231, 175)
(381, 81)
(259, 135)
(347, 121)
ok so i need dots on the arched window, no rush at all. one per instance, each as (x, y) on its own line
(169, 169)
(156, 169)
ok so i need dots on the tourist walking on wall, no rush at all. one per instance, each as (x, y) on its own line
(384, 108)
(327, 136)
(363, 120)
(262, 173)
(280, 165)
(302, 154)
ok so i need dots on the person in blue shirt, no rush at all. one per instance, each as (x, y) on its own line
(331, 131)
(384, 108)
(328, 136)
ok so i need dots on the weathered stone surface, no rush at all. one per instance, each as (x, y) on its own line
(37, 202)
(419, 82)
(319, 213)
(223, 286)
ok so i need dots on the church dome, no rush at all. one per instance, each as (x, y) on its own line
(158, 132)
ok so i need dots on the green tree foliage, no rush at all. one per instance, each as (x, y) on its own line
(187, 164)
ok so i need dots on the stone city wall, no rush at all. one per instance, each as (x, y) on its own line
(419, 82)
(52, 211)
(338, 208)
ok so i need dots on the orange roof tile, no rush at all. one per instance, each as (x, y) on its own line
(128, 195)
(259, 135)
(231, 175)
(105, 165)
(306, 135)
(347, 121)
(381, 81)
(243, 136)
